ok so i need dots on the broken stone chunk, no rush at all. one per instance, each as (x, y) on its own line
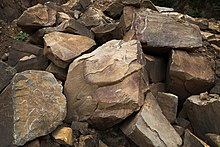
(101, 100)
(114, 10)
(150, 127)
(58, 72)
(63, 135)
(213, 139)
(25, 108)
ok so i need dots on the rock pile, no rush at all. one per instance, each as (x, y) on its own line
(129, 74)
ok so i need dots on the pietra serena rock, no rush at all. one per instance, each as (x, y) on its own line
(25, 114)
(105, 86)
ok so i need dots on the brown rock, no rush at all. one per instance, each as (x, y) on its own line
(128, 14)
(213, 139)
(202, 111)
(88, 141)
(180, 130)
(190, 140)
(155, 88)
(130, 35)
(148, 4)
(62, 48)
(37, 17)
(58, 72)
(158, 33)
(82, 127)
(150, 127)
(114, 10)
(135, 3)
(34, 143)
(168, 103)
(47, 141)
(185, 80)
(63, 135)
(7, 72)
(25, 114)
(214, 25)
(103, 100)
(80, 5)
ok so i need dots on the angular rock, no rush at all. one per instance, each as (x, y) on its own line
(80, 5)
(25, 114)
(164, 9)
(63, 135)
(37, 17)
(58, 72)
(62, 48)
(190, 140)
(128, 14)
(213, 139)
(158, 33)
(34, 143)
(7, 72)
(102, 100)
(150, 127)
(183, 122)
(185, 80)
(203, 113)
(82, 127)
(214, 25)
(148, 4)
(155, 88)
(24, 56)
(130, 35)
(168, 103)
(156, 68)
(114, 10)
(180, 130)
(88, 140)
(135, 3)
(208, 35)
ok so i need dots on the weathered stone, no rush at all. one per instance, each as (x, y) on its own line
(24, 56)
(164, 9)
(47, 141)
(190, 140)
(213, 139)
(128, 14)
(150, 127)
(88, 140)
(185, 80)
(34, 143)
(103, 100)
(25, 114)
(80, 5)
(7, 72)
(130, 35)
(156, 68)
(157, 87)
(63, 135)
(58, 72)
(135, 3)
(37, 17)
(62, 48)
(213, 25)
(208, 35)
(183, 122)
(82, 127)
(168, 103)
(216, 89)
(148, 4)
(180, 130)
(61, 17)
(114, 10)
(93, 17)
(158, 33)
(217, 68)
(203, 113)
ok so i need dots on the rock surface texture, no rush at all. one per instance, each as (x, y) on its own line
(26, 115)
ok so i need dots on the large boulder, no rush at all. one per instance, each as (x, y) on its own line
(150, 127)
(105, 86)
(37, 17)
(203, 113)
(62, 48)
(189, 74)
(159, 33)
(25, 114)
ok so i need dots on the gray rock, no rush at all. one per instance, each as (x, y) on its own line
(128, 16)
(213, 139)
(58, 72)
(155, 88)
(114, 10)
(25, 114)
(150, 127)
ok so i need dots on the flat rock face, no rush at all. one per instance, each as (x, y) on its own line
(150, 127)
(185, 80)
(105, 86)
(157, 32)
(7, 72)
(203, 113)
(37, 17)
(26, 114)
(66, 47)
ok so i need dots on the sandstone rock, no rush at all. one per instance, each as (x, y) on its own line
(24, 56)
(135, 3)
(62, 48)
(25, 114)
(150, 127)
(155, 88)
(82, 127)
(213, 139)
(102, 100)
(168, 103)
(202, 111)
(213, 25)
(183, 122)
(34, 143)
(37, 17)
(130, 35)
(185, 80)
(63, 135)
(58, 72)
(158, 33)
(156, 68)
(7, 72)
(164, 9)
(190, 140)
(180, 130)
(80, 5)
(148, 4)
(114, 10)
(208, 35)
(128, 14)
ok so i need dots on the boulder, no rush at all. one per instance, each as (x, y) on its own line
(7, 72)
(58, 72)
(203, 113)
(62, 48)
(213, 139)
(37, 17)
(105, 86)
(135, 3)
(185, 80)
(25, 114)
(25, 56)
(150, 127)
(63, 135)
(190, 140)
(168, 103)
(159, 33)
